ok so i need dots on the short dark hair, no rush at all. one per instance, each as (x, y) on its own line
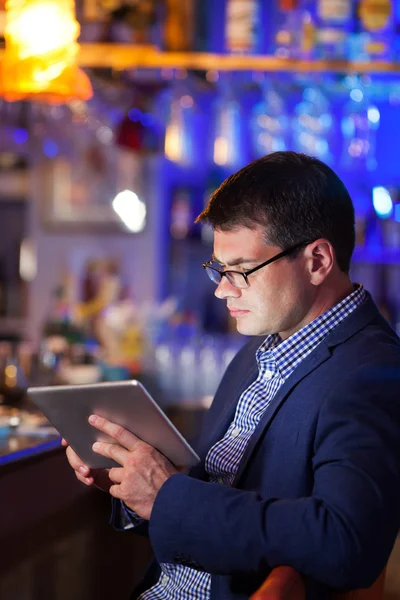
(294, 196)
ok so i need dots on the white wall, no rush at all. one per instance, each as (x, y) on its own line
(140, 255)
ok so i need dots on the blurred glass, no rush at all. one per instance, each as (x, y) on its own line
(313, 123)
(228, 149)
(334, 21)
(189, 370)
(269, 122)
(359, 124)
(177, 106)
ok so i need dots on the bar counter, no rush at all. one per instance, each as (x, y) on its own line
(55, 539)
(16, 447)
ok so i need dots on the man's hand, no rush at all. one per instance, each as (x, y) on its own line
(143, 469)
(97, 477)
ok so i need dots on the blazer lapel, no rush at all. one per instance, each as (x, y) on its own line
(313, 360)
(221, 424)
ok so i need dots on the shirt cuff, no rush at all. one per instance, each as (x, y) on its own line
(122, 517)
(129, 518)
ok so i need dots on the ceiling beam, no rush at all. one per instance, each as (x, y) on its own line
(127, 56)
(130, 56)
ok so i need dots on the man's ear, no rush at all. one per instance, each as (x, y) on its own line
(320, 257)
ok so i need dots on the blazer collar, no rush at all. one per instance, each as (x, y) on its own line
(356, 321)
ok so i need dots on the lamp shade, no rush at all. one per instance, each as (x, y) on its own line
(40, 59)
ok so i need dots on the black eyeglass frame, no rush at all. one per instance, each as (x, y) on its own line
(245, 274)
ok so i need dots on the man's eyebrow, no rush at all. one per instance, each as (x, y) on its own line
(236, 261)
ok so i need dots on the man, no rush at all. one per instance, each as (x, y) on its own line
(300, 454)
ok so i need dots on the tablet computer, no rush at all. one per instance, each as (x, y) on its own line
(126, 403)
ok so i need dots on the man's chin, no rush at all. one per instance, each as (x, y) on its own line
(247, 328)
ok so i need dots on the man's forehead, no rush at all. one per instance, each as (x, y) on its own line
(240, 238)
(241, 249)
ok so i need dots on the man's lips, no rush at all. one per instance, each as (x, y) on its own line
(237, 312)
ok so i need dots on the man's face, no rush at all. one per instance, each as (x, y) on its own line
(279, 295)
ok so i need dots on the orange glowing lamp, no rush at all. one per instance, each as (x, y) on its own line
(40, 59)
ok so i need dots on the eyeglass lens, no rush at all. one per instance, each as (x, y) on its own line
(235, 279)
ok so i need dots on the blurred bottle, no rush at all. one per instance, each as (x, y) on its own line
(269, 122)
(287, 38)
(377, 31)
(242, 26)
(334, 19)
(179, 25)
(307, 31)
(181, 213)
(178, 105)
(359, 124)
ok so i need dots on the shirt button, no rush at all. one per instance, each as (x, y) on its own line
(235, 432)
(268, 375)
(164, 580)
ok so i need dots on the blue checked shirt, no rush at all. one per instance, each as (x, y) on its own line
(276, 360)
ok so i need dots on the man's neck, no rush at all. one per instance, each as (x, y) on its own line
(328, 295)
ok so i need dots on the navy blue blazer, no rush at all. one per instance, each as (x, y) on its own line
(319, 485)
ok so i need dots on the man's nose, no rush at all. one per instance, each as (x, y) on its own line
(226, 290)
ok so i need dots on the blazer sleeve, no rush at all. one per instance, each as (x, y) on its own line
(124, 519)
(341, 535)
(120, 518)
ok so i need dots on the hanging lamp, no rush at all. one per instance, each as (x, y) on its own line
(40, 58)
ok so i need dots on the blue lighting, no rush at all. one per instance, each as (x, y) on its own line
(397, 213)
(20, 136)
(135, 115)
(356, 95)
(147, 120)
(382, 202)
(373, 114)
(50, 148)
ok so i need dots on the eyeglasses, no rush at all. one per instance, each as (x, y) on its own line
(239, 279)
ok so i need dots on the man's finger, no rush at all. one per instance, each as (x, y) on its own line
(86, 480)
(115, 491)
(114, 451)
(115, 474)
(121, 435)
(64, 442)
(76, 463)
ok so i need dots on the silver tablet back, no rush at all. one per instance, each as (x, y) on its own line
(125, 403)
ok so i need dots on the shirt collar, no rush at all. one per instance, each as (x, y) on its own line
(287, 354)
